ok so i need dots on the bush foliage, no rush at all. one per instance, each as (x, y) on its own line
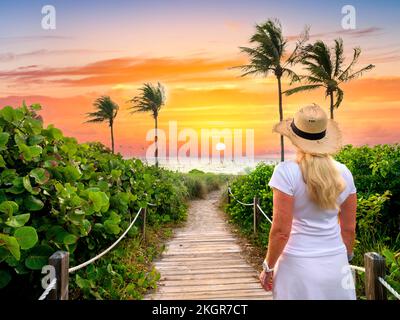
(56, 194)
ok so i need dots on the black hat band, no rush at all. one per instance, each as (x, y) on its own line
(307, 135)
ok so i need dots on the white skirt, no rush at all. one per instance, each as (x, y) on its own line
(313, 278)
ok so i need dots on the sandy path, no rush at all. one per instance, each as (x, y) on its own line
(204, 260)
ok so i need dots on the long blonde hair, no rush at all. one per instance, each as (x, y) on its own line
(323, 180)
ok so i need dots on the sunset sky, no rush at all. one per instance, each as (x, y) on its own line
(113, 47)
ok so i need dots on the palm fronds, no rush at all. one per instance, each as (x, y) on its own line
(107, 110)
(325, 69)
(302, 88)
(151, 99)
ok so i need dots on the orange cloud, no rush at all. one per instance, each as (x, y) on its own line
(123, 70)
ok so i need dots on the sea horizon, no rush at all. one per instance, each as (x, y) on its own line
(211, 165)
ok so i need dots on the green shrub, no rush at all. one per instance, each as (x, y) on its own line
(199, 184)
(195, 186)
(375, 171)
(393, 274)
(56, 194)
(245, 188)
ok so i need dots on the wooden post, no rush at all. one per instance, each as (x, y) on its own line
(256, 201)
(374, 268)
(60, 261)
(144, 223)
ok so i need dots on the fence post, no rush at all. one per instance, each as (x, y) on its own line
(374, 268)
(60, 261)
(144, 223)
(256, 201)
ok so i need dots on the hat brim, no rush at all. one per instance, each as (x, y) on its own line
(330, 144)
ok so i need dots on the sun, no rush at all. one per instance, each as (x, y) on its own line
(220, 146)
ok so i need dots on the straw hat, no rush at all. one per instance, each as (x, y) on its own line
(311, 131)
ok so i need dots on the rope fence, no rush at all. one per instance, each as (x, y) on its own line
(151, 204)
(381, 280)
(255, 204)
(82, 265)
(265, 215)
(60, 261)
(361, 269)
(389, 288)
(238, 201)
(375, 264)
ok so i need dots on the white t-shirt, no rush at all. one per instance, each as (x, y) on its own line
(315, 232)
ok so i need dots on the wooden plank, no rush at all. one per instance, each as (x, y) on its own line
(199, 265)
(188, 253)
(206, 263)
(239, 275)
(203, 251)
(209, 281)
(215, 258)
(188, 262)
(200, 252)
(203, 266)
(211, 287)
(204, 235)
(207, 271)
(207, 245)
(210, 240)
(195, 248)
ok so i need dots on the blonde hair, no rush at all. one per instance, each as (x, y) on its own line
(323, 180)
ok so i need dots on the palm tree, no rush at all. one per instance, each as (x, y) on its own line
(151, 99)
(326, 70)
(269, 56)
(107, 111)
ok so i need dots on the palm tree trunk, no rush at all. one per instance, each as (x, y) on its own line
(331, 95)
(281, 117)
(112, 137)
(156, 140)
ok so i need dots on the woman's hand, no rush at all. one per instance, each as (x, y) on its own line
(266, 280)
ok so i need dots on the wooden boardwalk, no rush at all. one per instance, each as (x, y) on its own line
(204, 261)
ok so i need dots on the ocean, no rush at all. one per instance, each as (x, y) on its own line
(212, 165)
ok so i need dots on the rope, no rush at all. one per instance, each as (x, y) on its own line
(381, 280)
(151, 204)
(242, 203)
(50, 287)
(265, 215)
(362, 269)
(249, 204)
(73, 269)
(389, 287)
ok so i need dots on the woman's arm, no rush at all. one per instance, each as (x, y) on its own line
(281, 225)
(347, 220)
